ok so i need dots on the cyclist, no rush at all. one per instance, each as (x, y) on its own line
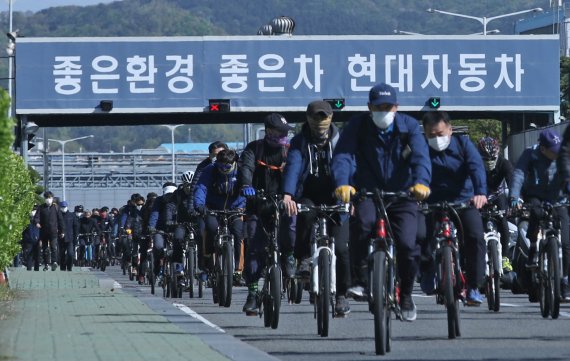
(163, 217)
(307, 179)
(132, 220)
(67, 242)
(458, 175)
(50, 222)
(213, 149)
(87, 225)
(261, 167)
(499, 174)
(383, 149)
(536, 179)
(217, 189)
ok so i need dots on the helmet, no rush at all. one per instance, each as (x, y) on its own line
(187, 176)
(79, 208)
(488, 148)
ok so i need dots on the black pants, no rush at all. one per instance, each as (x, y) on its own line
(473, 251)
(32, 256)
(536, 213)
(339, 229)
(160, 245)
(49, 249)
(235, 228)
(502, 203)
(66, 254)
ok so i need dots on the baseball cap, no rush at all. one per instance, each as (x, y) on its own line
(382, 94)
(319, 107)
(63, 204)
(277, 122)
(550, 139)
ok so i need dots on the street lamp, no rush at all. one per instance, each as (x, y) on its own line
(485, 20)
(402, 32)
(172, 128)
(62, 143)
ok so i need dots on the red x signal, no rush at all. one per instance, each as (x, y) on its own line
(214, 107)
(219, 105)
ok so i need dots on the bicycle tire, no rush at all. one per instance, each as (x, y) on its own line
(299, 293)
(275, 279)
(103, 258)
(493, 279)
(324, 297)
(228, 273)
(191, 270)
(221, 289)
(448, 285)
(378, 301)
(554, 276)
(150, 270)
(200, 289)
(266, 305)
(291, 290)
(173, 281)
(544, 298)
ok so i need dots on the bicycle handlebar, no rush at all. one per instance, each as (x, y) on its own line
(382, 194)
(225, 212)
(337, 208)
(428, 207)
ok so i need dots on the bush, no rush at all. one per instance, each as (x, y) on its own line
(16, 190)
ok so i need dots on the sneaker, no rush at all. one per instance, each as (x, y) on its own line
(238, 280)
(159, 280)
(290, 264)
(46, 267)
(427, 283)
(141, 280)
(474, 297)
(507, 267)
(251, 307)
(304, 268)
(532, 260)
(54, 266)
(408, 308)
(342, 308)
(355, 292)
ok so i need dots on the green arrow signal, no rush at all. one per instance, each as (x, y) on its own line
(435, 103)
(338, 104)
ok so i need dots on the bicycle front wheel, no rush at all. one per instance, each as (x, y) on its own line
(448, 284)
(227, 275)
(150, 271)
(324, 296)
(275, 295)
(494, 278)
(379, 308)
(191, 270)
(553, 276)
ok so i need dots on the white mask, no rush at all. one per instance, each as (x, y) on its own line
(139, 208)
(78, 214)
(383, 119)
(439, 143)
(33, 213)
(64, 209)
(49, 201)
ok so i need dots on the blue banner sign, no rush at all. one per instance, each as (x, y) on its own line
(266, 73)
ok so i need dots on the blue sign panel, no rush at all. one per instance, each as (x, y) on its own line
(180, 74)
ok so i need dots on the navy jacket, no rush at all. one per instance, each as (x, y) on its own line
(536, 176)
(216, 190)
(71, 224)
(458, 172)
(31, 233)
(170, 209)
(297, 168)
(364, 159)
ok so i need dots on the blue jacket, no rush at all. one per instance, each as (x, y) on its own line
(364, 159)
(31, 233)
(458, 172)
(297, 168)
(217, 190)
(536, 176)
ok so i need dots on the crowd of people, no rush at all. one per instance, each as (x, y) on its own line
(323, 165)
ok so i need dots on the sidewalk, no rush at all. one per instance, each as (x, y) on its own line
(75, 316)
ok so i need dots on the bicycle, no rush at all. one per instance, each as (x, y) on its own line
(85, 252)
(270, 294)
(450, 285)
(323, 264)
(103, 256)
(383, 288)
(190, 257)
(223, 257)
(493, 258)
(149, 265)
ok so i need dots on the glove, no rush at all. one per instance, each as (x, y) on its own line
(151, 230)
(343, 193)
(248, 191)
(420, 191)
(515, 202)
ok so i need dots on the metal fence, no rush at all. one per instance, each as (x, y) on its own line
(517, 143)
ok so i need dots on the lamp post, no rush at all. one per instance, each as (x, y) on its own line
(63, 143)
(403, 32)
(172, 129)
(485, 20)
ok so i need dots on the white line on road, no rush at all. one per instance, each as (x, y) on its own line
(117, 285)
(565, 314)
(510, 305)
(193, 313)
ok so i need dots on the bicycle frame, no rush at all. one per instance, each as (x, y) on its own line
(491, 216)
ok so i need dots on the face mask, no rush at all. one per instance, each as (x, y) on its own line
(383, 119)
(276, 140)
(168, 189)
(49, 201)
(78, 214)
(139, 207)
(225, 168)
(490, 164)
(439, 143)
(187, 190)
(64, 209)
(319, 128)
(33, 213)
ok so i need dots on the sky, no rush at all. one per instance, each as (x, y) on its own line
(37, 5)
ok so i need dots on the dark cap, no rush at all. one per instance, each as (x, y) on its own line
(319, 107)
(277, 122)
(382, 94)
(549, 139)
(63, 204)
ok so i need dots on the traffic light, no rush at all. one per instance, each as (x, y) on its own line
(336, 104)
(434, 102)
(219, 105)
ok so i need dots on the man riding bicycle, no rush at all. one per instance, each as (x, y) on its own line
(383, 149)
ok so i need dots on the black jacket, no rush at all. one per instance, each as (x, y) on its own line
(71, 224)
(503, 172)
(50, 220)
(252, 173)
(88, 226)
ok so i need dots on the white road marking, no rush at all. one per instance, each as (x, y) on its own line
(117, 285)
(193, 313)
(565, 314)
(510, 305)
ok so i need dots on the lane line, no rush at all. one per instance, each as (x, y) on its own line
(195, 315)
(117, 285)
(565, 314)
(510, 305)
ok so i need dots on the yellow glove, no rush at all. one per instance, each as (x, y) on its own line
(343, 193)
(420, 191)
